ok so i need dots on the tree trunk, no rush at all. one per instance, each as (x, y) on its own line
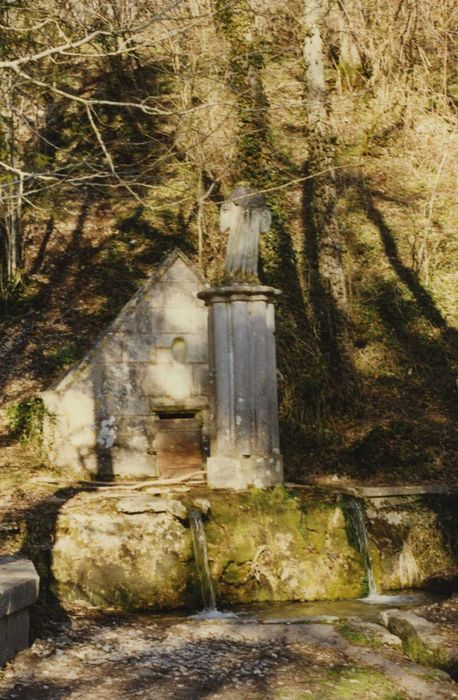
(11, 265)
(324, 243)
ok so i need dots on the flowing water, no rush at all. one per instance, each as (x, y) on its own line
(199, 542)
(342, 609)
(301, 611)
(359, 528)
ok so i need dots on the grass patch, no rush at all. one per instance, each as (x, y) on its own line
(359, 638)
(344, 684)
(25, 421)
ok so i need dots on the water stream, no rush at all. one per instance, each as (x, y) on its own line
(199, 541)
(201, 556)
(359, 528)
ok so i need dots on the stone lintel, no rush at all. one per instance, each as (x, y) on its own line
(239, 292)
(165, 403)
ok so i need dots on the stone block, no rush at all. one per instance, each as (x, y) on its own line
(109, 350)
(74, 407)
(180, 319)
(240, 474)
(200, 377)
(164, 357)
(3, 640)
(135, 425)
(130, 462)
(19, 584)
(181, 296)
(196, 345)
(127, 404)
(136, 347)
(144, 503)
(424, 641)
(18, 632)
(138, 442)
(176, 382)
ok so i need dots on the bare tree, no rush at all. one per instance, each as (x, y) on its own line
(325, 245)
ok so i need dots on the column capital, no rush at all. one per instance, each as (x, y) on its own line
(238, 292)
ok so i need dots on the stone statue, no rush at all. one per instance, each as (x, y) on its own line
(245, 215)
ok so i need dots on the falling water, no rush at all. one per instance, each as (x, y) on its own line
(359, 528)
(201, 556)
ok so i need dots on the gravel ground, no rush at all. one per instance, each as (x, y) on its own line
(164, 659)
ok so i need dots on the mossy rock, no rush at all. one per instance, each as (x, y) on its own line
(275, 545)
(262, 545)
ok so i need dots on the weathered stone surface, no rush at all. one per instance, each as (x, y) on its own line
(310, 619)
(202, 504)
(268, 545)
(262, 545)
(396, 490)
(19, 584)
(277, 545)
(413, 538)
(370, 633)
(14, 634)
(101, 418)
(424, 641)
(127, 561)
(142, 503)
(245, 443)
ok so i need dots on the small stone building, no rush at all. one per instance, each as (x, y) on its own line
(137, 404)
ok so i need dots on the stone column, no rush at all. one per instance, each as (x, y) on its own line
(243, 384)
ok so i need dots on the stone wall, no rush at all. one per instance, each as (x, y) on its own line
(262, 546)
(136, 552)
(152, 359)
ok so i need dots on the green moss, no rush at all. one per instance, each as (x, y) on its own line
(359, 638)
(343, 684)
(428, 655)
(280, 545)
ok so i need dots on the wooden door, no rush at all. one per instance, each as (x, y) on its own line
(178, 445)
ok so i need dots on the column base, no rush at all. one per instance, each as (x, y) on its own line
(240, 474)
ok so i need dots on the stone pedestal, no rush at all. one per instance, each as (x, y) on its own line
(243, 385)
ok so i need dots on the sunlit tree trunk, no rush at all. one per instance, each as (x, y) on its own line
(11, 198)
(324, 244)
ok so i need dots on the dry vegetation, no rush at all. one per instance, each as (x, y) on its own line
(162, 114)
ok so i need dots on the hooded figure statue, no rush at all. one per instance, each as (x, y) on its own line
(245, 215)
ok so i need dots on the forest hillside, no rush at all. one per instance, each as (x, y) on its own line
(124, 126)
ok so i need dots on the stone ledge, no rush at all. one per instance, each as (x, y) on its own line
(19, 586)
(387, 491)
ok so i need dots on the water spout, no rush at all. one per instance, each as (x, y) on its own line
(359, 528)
(201, 556)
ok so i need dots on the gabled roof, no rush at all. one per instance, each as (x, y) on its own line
(154, 278)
